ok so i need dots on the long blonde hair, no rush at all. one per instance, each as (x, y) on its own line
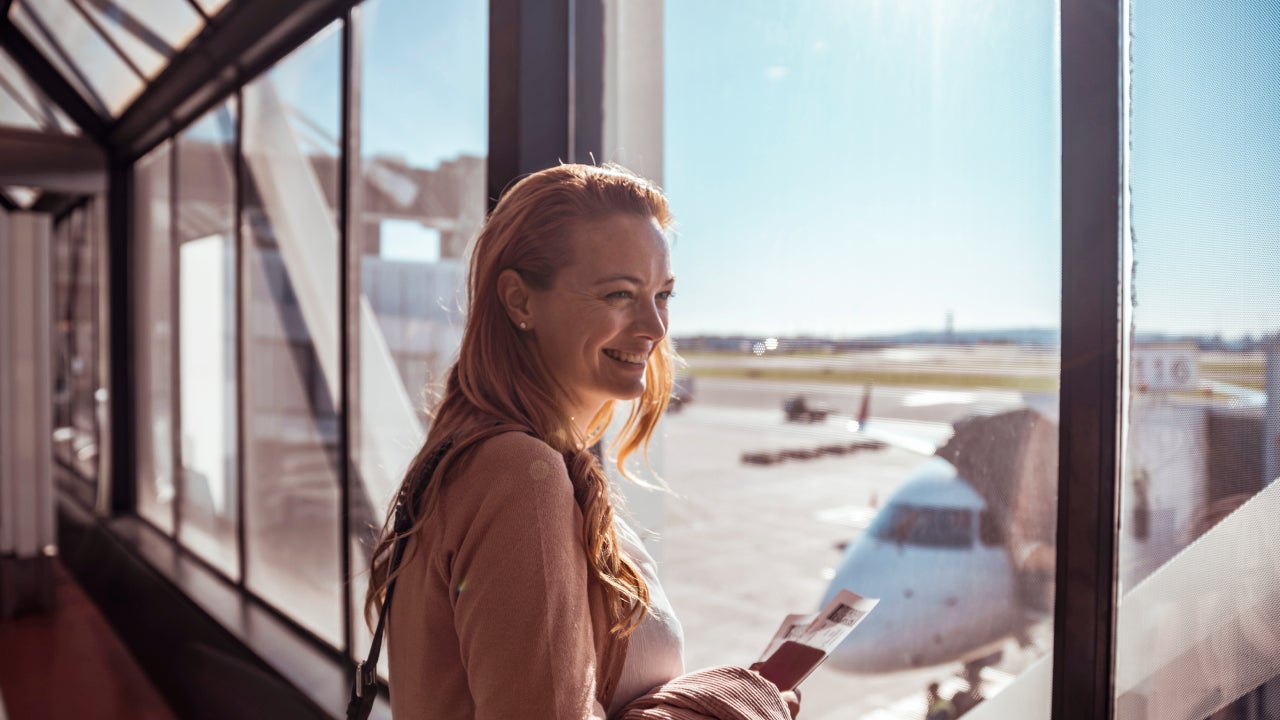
(498, 385)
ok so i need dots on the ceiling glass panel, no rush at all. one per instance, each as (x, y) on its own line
(31, 26)
(16, 109)
(22, 104)
(13, 114)
(212, 6)
(150, 31)
(65, 32)
(148, 57)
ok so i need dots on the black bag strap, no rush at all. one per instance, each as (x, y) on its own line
(365, 690)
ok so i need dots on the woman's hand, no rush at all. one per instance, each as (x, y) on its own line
(792, 699)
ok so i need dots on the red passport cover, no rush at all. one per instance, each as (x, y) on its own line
(790, 664)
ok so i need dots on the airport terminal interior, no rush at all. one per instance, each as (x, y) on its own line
(977, 304)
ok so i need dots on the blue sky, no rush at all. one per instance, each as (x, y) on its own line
(845, 168)
(850, 167)
(1205, 149)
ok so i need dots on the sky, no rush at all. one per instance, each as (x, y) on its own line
(854, 167)
(849, 168)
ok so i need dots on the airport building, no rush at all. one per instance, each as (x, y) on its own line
(982, 319)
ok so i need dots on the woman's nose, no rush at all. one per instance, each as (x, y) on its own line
(652, 322)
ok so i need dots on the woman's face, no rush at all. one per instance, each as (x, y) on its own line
(605, 312)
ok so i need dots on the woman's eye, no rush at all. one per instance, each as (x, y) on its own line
(666, 295)
(619, 295)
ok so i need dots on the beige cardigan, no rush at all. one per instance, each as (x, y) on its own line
(495, 614)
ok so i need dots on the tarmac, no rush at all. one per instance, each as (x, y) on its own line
(741, 545)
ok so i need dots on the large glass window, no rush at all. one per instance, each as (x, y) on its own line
(419, 197)
(883, 180)
(152, 305)
(79, 393)
(291, 353)
(1199, 550)
(206, 322)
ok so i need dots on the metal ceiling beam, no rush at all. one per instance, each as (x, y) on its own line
(50, 81)
(242, 41)
(51, 161)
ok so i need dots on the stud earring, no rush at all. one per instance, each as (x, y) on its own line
(524, 325)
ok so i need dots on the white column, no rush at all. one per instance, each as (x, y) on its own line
(633, 85)
(27, 531)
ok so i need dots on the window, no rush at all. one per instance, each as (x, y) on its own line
(152, 305)
(205, 244)
(419, 198)
(924, 526)
(868, 204)
(1199, 571)
(79, 382)
(290, 346)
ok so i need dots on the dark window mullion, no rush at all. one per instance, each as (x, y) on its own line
(102, 32)
(175, 346)
(1093, 326)
(242, 328)
(203, 15)
(348, 153)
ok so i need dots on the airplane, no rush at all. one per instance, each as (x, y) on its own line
(938, 553)
(962, 553)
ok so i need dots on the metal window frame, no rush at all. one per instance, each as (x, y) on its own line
(530, 74)
(175, 346)
(348, 309)
(1093, 330)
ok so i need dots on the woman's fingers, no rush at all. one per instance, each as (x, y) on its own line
(792, 699)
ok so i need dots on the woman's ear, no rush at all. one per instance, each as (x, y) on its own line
(515, 296)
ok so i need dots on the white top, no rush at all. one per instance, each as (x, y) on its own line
(655, 653)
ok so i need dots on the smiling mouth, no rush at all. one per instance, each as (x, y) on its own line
(625, 357)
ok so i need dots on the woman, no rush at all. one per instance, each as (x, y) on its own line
(521, 594)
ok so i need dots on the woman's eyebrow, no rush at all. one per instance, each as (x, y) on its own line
(631, 279)
(617, 278)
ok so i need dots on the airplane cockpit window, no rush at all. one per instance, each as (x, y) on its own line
(925, 526)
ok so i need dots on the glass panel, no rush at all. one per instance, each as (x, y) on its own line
(422, 198)
(206, 242)
(24, 105)
(150, 31)
(78, 382)
(291, 342)
(148, 58)
(871, 397)
(56, 28)
(154, 337)
(1198, 630)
